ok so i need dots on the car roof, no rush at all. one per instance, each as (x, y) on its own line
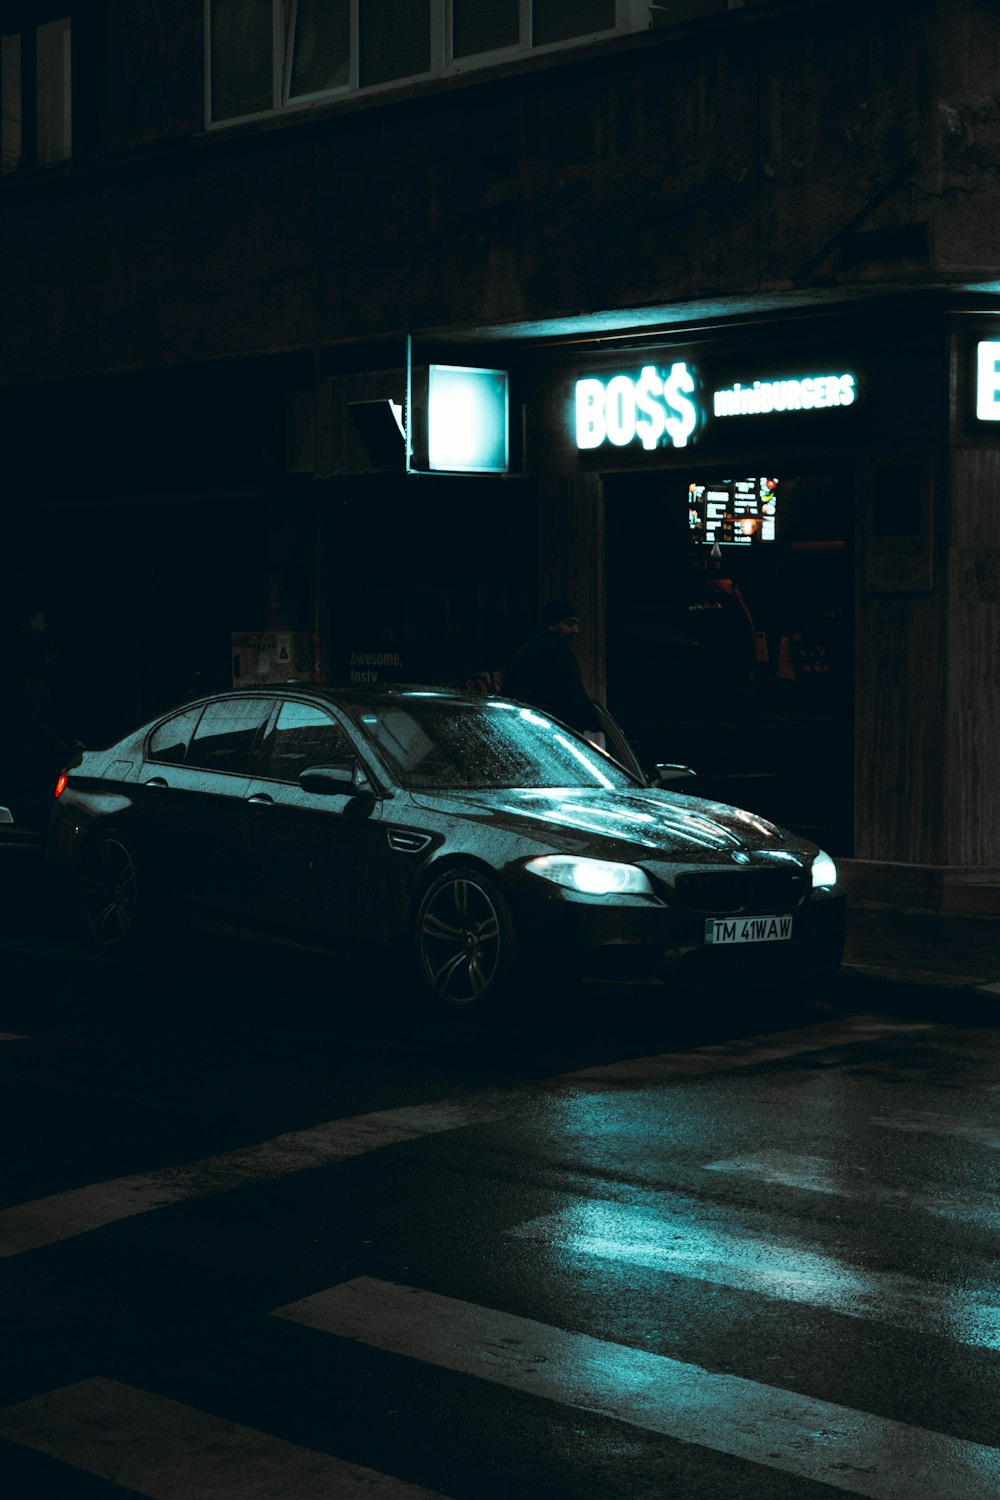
(350, 694)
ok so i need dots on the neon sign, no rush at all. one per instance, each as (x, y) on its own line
(988, 380)
(655, 407)
(803, 394)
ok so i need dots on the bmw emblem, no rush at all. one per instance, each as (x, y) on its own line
(740, 858)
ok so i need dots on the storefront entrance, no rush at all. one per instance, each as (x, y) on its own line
(729, 603)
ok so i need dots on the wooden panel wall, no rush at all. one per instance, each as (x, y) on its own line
(901, 667)
(973, 727)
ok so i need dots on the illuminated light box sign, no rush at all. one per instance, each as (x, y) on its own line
(734, 511)
(988, 380)
(660, 408)
(467, 420)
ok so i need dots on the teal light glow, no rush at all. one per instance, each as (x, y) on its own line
(824, 871)
(988, 380)
(467, 420)
(585, 760)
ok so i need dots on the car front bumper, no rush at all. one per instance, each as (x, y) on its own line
(638, 942)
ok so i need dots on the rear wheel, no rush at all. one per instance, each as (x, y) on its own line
(110, 895)
(465, 940)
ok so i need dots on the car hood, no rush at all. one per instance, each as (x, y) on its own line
(665, 822)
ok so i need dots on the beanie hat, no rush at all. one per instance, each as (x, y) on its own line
(556, 610)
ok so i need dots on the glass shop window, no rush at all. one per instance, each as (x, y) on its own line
(484, 26)
(321, 48)
(242, 56)
(395, 40)
(559, 20)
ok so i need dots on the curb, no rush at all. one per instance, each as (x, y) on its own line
(922, 978)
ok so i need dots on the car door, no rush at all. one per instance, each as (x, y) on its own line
(194, 778)
(314, 857)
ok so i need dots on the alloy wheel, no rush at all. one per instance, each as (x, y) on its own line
(108, 892)
(461, 940)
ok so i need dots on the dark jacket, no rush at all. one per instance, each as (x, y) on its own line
(545, 673)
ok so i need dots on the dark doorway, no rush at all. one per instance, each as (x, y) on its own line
(729, 635)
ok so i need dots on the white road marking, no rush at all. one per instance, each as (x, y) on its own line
(45, 1221)
(926, 1122)
(12, 1036)
(822, 1174)
(815, 1440)
(682, 1246)
(746, 1052)
(27, 1226)
(168, 1451)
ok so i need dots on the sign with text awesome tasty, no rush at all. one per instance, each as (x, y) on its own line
(661, 407)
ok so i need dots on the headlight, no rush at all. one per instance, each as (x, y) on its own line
(595, 877)
(824, 871)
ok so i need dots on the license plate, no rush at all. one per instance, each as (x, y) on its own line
(748, 929)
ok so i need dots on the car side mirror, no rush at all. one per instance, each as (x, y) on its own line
(670, 775)
(330, 781)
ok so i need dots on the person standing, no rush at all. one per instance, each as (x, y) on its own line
(545, 673)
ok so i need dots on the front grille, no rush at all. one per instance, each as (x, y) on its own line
(735, 892)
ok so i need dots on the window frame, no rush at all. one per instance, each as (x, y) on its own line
(630, 16)
(246, 772)
(26, 44)
(264, 750)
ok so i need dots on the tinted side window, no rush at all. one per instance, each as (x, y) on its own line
(304, 736)
(226, 732)
(169, 742)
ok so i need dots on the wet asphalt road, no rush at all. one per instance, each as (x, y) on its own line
(265, 1229)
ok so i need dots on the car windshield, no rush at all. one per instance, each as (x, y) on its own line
(438, 743)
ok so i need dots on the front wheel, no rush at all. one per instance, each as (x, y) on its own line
(465, 940)
(110, 895)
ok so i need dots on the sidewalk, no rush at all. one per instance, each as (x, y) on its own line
(953, 952)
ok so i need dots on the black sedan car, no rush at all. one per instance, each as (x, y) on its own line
(488, 845)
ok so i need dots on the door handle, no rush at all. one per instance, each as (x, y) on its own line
(156, 783)
(260, 802)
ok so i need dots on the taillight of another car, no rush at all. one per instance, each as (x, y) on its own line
(61, 783)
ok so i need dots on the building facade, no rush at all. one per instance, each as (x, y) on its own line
(737, 267)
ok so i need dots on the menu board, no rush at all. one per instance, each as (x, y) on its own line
(736, 512)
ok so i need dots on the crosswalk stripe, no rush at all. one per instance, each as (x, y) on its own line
(61, 1216)
(44, 1221)
(800, 1435)
(821, 1174)
(746, 1052)
(678, 1244)
(168, 1451)
(926, 1122)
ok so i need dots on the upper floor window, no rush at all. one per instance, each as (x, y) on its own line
(36, 96)
(270, 54)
